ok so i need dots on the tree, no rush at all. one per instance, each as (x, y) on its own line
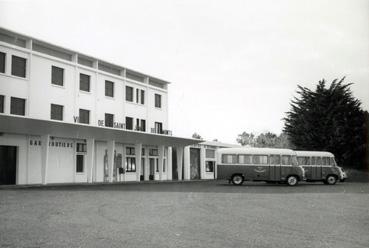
(267, 139)
(329, 119)
(196, 136)
(246, 139)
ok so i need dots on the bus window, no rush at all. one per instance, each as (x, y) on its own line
(229, 159)
(275, 159)
(333, 162)
(294, 160)
(260, 159)
(318, 161)
(325, 161)
(244, 159)
(313, 161)
(301, 160)
(286, 160)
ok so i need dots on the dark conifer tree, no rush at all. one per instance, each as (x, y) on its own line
(329, 119)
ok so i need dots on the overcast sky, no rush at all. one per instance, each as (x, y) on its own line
(234, 65)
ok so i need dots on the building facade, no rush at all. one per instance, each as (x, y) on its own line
(66, 117)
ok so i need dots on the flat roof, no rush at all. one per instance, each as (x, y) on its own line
(31, 126)
(71, 51)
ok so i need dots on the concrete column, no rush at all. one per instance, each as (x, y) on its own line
(161, 161)
(45, 139)
(90, 159)
(179, 161)
(111, 148)
(147, 165)
(202, 162)
(169, 164)
(138, 152)
(186, 163)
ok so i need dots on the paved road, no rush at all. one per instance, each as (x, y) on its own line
(191, 214)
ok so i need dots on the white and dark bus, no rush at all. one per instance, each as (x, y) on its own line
(320, 166)
(259, 164)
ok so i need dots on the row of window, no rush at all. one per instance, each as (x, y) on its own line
(256, 159)
(57, 78)
(18, 66)
(315, 161)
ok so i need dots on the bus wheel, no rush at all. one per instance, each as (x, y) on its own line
(237, 179)
(292, 180)
(331, 180)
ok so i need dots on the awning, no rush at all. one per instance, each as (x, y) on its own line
(30, 126)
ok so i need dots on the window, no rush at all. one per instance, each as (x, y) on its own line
(260, 159)
(303, 160)
(79, 166)
(313, 161)
(275, 159)
(158, 127)
(18, 66)
(57, 75)
(229, 159)
(209, 153)
(286, 160)
(325, 161)
(209, 166)
(81, 147)
(2, 62)
(157, 101)
(17, 106)
(84, 116)
(129, 123)
(143, 126)
(137, 95)
(318, 161)
(142, 97)
(244, 159)
(153, 152)
(129, 94)
(2, 99)
(130, 151)
(131, 164)
(109, 88)
(109, 120)
(84, 82)
(56, 112)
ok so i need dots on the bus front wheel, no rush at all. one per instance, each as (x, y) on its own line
(331, 180)
(237, 179)
(292, 180)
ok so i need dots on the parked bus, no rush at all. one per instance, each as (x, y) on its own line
(259, 164)
(320, 166)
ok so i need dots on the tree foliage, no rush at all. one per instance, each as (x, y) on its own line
(196, 136)
(267, 139)
(329, 119)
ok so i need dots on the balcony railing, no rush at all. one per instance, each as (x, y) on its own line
(161, 131)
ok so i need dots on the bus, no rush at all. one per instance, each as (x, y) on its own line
(320, 166)
(259, 164)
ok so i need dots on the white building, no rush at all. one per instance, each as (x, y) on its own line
(67, 117)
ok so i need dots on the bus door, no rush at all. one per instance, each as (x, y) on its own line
(316, 168)
(274, 168)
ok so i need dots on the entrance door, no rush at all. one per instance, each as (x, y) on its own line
(152, 168)
(275, 168)
(194, 163)
(8, 164)
(142, 175)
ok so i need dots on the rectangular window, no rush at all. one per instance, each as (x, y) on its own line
(153, 152)
(2, 62)
(56, 112)
(229, 159)
(286, 160)
(131, 164)
(209, 166)
(137, 95)
(109, 88)
(157, 101)
(244, 159)
(130, 151)
(209, 153)
(325, 161)
(79, 166)
(142, 97)
(84, 82)
(84, 116)
(17, 106)
(158, 127)
(313, 161)
(57, 75)
(129, 123)
(318, 161)
(260, 159)
(275, 159)
(81, 147)
(109, 120)
(129, 94)
(143, 126)
(2, 100)
(19, 66)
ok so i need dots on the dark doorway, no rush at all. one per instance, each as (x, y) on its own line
(194, 163)
(8, 164)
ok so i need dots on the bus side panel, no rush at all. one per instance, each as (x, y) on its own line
(285, 171)
(225, 171)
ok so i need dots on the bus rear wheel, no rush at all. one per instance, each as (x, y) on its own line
(331, 180)
(237, 179)
(292, 180)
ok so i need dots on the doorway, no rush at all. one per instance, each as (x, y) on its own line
(8, 165)
(194, 163)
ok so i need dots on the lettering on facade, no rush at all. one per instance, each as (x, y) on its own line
(120, 125)
(76, 119)
(52, 143)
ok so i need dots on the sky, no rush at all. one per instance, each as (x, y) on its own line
(234, 65)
